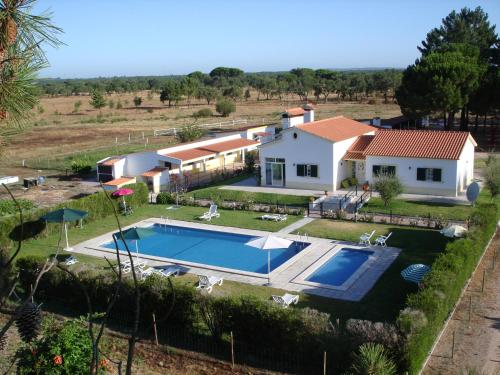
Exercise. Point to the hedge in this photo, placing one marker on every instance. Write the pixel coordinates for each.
(428, 309)
(304, 333)
(96, 205)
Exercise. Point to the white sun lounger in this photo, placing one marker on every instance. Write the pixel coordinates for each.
(286, 300)
(274, 217)
(138, 265)
(212, 212)
(365, 238)
(208, 282)
(169, 271)
(70, 261)
(381, 240)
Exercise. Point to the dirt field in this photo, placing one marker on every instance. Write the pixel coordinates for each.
(58, 130)
(477, 337)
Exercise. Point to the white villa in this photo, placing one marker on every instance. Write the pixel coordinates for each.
(156, 168)
(319, 155)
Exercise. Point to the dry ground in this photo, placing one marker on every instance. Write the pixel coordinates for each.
(477, 339)
(58, 130)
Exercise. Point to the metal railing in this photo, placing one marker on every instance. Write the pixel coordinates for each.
(173, 131)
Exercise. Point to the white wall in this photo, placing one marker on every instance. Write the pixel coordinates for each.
(138, 163)
(288, 122)
(118, 168)
(465, 167)
(305, 149)
(341, 170)
(408, 176)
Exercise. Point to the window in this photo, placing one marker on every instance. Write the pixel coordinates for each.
(383, 169)
(429, 174)
(307, 170)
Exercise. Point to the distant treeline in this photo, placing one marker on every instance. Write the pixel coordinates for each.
(235, 84)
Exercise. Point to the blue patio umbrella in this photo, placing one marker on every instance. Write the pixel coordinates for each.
(135, 234)
(63, 216)
(415, 273)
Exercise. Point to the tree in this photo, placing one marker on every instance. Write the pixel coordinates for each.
(304, 81)
(77, 106)
(190, 87)
(225, 107)
(492, 176)
(171, 92)
(111, 104)
(208, 93)
(440, 82)
(190, 133)
(97, 99)
(326, 83)
(382, 83)
(372, 359)
(247, 94)
(388, 186)
(234, 92)
(22, 36)
(470, 27)
(137, 101)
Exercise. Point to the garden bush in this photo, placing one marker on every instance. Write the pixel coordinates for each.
(81, 166)
(97, 206)
(63, 349)
(8, 207)
(443, 286)
(165, 198)
(205, 112)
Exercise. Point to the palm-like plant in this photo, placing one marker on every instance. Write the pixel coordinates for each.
(21, 56)
(372, 359)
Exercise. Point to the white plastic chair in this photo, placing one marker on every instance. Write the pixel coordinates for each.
(212, 212)
(208, 282)
(381, 240)
(286, 300)
(365, 238)
(70, 261)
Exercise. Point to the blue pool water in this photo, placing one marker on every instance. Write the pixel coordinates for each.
(340, 267)
(212, 248)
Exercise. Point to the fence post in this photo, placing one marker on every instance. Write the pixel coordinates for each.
(156, 332)
(324, 363)
(232, 350)
(23, 163)
(142, 135)
(128, 137)
(116, 140)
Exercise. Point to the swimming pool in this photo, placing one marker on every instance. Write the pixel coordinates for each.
(207, 247)
(340, 267)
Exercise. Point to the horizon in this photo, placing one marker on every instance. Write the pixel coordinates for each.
(155, 38)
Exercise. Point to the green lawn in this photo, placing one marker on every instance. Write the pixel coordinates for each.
(388, 295)
(241, 219)
(214, 192)
(417, 208)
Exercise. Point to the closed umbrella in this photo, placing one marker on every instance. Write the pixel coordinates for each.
(454, 231)
(123, 192)
(65, 215)
(135, 234)
(415, 273)
(269, 243)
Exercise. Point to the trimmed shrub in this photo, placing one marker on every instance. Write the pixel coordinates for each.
(81, 167)
(165, 198)
(372, 359)
(345, 183)
(225, 107)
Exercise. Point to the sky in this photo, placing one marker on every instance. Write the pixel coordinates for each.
(161, 37)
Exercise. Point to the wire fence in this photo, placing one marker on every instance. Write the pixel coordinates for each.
(228, 349)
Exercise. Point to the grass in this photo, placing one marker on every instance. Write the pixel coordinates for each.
(419, 208)
(382, 303)
(388, 295)
(46, 246)
(215, 193)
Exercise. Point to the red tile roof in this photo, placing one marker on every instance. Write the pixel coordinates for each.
(336, 129)
(189, 154)
(211, 149)
(427, 144)
(292, 112)
(153, 172)
(355, 152)
(119, 181)
(110, 162)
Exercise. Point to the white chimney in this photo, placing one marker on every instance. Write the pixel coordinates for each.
(308, 113)
(292, 117)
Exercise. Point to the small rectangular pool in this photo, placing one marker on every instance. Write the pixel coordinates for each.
(340, 267)
(206, 247)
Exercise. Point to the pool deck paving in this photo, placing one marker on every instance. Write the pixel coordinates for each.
(290, 276)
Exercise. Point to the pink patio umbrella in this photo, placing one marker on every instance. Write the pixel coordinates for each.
(123, 192)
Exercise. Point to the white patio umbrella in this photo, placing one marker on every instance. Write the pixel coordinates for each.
(269, 243)
(454, 231)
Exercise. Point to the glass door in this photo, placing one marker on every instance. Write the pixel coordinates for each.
(277, 174)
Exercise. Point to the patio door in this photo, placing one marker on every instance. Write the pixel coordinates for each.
(275, 171)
